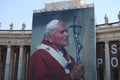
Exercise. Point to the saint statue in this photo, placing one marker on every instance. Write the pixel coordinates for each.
(11, 26)
(23, 26)
(106, 19)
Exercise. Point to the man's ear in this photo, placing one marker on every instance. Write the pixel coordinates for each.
(49, 38)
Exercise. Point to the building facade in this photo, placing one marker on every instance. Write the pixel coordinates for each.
(108, 51)
(15, 52)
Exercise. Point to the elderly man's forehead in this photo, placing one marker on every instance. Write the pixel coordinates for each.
(61, 27)
(61, 24)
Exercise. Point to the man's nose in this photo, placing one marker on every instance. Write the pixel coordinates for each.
(66, 33)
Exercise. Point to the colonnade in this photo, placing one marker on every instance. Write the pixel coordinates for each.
(109, 62)
(15, 64)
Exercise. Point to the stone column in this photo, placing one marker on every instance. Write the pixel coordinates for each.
(0, 64)
(0, 55)
(7, 65)
(20, 65)
(107, 62)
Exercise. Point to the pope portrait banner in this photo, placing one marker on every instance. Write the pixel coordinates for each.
(83, 17)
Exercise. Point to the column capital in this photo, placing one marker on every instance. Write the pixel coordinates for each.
(9, 45)
(21, 45)
(106, 41)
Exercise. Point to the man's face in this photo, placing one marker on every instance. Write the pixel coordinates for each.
(60, 35)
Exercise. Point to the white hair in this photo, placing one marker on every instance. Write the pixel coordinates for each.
(50, 27)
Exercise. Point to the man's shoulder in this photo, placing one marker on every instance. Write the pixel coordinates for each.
(40, 53)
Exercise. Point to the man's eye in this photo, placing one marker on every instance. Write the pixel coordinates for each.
(62, 32)
(67, 31)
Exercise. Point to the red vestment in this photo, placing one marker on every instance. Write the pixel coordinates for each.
(43, 66)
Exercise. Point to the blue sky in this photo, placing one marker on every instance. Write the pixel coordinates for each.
(19, 11)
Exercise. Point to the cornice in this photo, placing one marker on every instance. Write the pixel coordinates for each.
(107, 29)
